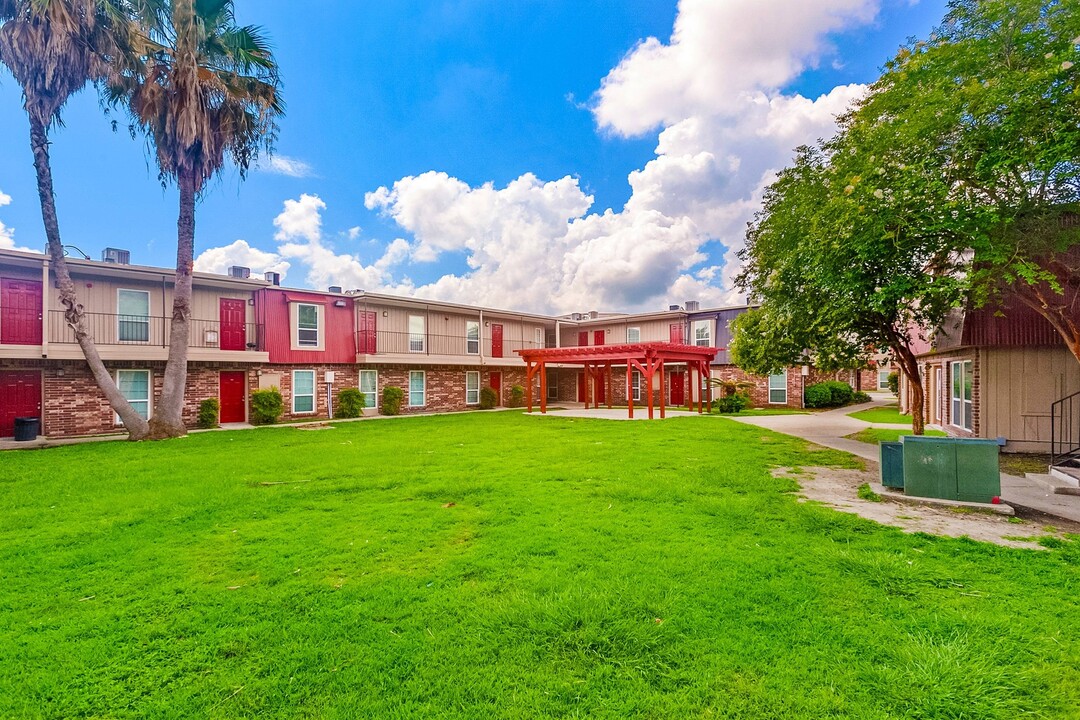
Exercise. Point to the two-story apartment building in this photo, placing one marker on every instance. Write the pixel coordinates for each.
(251, 333)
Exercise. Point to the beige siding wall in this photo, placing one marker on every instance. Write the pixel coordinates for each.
(1018, 386)
(615, 331)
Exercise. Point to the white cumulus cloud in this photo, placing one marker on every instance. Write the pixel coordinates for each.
(7, 234)
(220, 259)
(292, 167)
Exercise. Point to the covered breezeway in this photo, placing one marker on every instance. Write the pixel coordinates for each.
(598, 362)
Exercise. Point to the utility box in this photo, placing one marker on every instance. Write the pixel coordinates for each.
(891, 462)
(951, 468)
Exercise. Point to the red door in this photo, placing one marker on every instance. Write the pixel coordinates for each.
(678, 395)
(581, 389)
(676, 333)
(495, 380)
(20, 312)
(583, 338)
(233, 396)
(496, 342)
(598, 337)
(366, 342)
(233, 330)
(20, 396)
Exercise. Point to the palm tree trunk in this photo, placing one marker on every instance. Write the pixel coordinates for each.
(136, 426)
(168, 420)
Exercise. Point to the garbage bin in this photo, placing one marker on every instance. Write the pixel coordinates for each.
(26, 428)
(892, 464)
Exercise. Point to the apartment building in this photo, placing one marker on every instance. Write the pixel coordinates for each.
(249, 333)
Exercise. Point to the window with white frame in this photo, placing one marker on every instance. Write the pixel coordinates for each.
(416, 333)
(472, 337)
(303, 391)
(703, 333)
(778, 388)
(134, 385)
(472, 387)
(132, 316)
(962, 408)
(883, 379)
(635, 386)
(369, 386)
(307, 325)
(633, 334)
(417, 387)
(539, 338)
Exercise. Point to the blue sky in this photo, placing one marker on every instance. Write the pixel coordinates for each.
(467, 150)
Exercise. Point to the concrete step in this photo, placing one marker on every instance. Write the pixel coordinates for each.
(1068, 475)
(1045, 481)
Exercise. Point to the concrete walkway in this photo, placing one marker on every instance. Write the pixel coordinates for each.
(612, 414)
(1034, 492)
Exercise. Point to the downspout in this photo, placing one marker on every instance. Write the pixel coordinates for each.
(481, 335)
(45, 285)
(164, 333)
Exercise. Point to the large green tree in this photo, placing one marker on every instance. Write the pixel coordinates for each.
(206, 90)
(53, 49)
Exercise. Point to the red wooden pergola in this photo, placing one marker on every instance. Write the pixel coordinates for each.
(648, 358)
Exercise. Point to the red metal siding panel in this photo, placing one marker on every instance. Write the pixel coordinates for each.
(1017, 325)
(338, 345)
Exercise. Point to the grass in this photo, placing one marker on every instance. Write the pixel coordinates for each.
(876, 435)
(1020, 463)
(502, 566)
(887, 414)
(867, 493)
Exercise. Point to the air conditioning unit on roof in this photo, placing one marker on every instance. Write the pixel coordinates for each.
(116, 256)
(242, 273)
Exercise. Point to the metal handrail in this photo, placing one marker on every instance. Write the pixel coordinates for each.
(150, 331)
(1065, 429)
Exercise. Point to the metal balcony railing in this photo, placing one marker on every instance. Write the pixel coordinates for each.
(109, 329)
(404, 343)
(1065, 430)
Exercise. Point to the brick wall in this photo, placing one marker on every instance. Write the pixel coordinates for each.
(944, 392)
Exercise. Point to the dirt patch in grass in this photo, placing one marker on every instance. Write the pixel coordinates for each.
(839, 489)
(1019, 464)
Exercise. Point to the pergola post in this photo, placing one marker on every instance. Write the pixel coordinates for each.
(690, 386)
(588, 384)
(529, 371)
(651, 368)
(663, 403)
(610, 385)
(707, 381)
(543, 389)
(629, 391)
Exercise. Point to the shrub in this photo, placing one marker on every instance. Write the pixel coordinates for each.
(266, 406)
(488, 398)
(350, 403)
(392, 396)
(736, 402)
(841, 392)
(817, 396)
(517, 396)
(860, 397)
(894, 382)
(208, 413)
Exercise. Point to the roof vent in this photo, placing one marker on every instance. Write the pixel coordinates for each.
(241, 273)
(673, 307)
(575, 316)
(692, 305)
(593, 314)
(336, 289)
(273, 278)
(116, 256)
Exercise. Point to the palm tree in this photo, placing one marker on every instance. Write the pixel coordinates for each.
(53, 49)
(205, 88)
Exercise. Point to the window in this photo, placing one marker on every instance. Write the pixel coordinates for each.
(369, 386)
(633, 335)
(416, 388)
(883, 379)
(135, 387)
(416, 333)
(472, 387)
(472, 336)
(703, 333)
(635, 386)
(133, 316)
(303, 391)
(539, 335)
(307, 325)
(962, 411)
(778, 388)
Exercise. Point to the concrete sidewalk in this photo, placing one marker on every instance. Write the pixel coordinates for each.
(1035, 492)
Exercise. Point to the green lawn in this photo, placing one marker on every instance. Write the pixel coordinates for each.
(502, 566)
(876, 435)
(889, 414)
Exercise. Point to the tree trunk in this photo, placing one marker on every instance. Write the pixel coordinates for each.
(168, 420)
(909, 366)
(136, 426)
(1058, 311)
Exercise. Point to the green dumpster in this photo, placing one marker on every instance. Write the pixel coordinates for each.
(891, 462)
(951, 468)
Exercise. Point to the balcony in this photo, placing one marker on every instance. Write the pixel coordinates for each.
(386, 346)
(132, 337)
